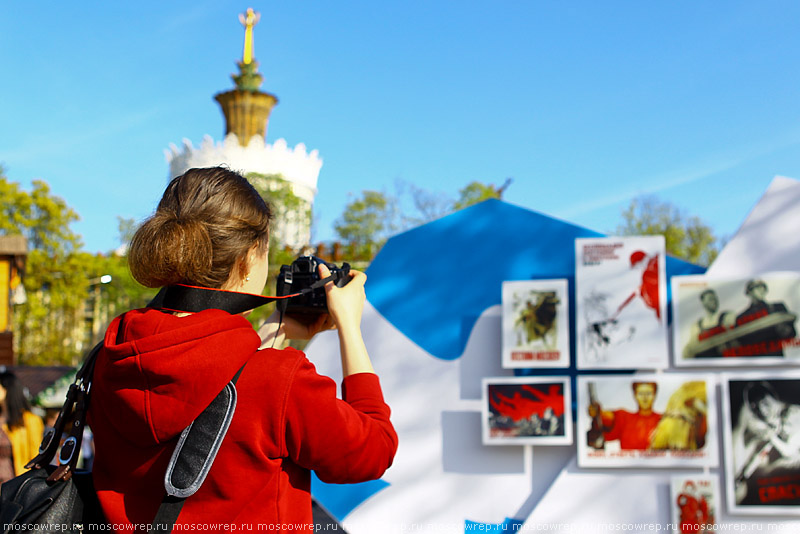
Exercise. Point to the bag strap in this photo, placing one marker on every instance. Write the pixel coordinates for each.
(199, 443)
(194, 454)
(75, 407)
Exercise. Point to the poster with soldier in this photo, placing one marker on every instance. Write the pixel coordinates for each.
(761, 429)
(652, 420)
(527, 411)
(535, 324)
(736, 321)
(694, 503)
(621, 297)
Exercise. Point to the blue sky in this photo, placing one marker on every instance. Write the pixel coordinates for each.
(585, 104)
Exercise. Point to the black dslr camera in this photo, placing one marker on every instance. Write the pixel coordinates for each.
(299, 277)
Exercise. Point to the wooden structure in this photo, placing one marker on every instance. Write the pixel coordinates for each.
(13, 250)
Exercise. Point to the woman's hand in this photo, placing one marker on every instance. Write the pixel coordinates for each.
(345, 308)
(345, 304)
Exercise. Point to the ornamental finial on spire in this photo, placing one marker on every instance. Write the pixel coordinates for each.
(248, 20)
(248, 78)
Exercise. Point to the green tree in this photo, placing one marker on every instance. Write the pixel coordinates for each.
(687, 237)
(369, 220)
(65, 298)
(290, 214)
(49, 323)
(475, 192)
(366, 223)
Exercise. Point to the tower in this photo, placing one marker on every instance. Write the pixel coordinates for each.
(274, 168)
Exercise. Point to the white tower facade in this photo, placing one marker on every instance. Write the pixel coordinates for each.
(297, 166)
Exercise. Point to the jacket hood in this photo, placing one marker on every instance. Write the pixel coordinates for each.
(158, 372)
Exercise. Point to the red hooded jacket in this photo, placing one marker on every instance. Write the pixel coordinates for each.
(165, 370)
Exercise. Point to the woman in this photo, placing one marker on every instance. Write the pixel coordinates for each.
(158, 370)
(23, 428)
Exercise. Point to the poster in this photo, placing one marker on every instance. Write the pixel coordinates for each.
(736, 321)
(621, 297)
(761, 427)
(694, 503)
(527, 411)
(535, 324)
(652, 420)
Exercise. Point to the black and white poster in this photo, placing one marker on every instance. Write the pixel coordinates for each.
(736, 322)
(761, 427)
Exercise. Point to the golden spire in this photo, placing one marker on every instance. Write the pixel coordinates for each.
(247, 109)
(248, 20)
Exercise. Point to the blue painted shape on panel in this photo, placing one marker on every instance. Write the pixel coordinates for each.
(340, 499)
(427, 280)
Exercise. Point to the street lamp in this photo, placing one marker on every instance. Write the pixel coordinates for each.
(96, 284)
(104, 279)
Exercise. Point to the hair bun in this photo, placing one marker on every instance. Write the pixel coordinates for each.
(202, 231)
(177, 249)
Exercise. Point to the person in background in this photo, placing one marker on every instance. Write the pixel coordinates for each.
(23, 428)
(6, 458)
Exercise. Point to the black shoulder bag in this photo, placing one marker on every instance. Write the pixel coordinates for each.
(56, 495)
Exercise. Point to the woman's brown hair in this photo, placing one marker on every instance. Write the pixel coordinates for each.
(207, 221)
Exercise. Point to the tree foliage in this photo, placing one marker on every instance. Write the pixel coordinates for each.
(473, 193)
(366, 223)
(291, 214)
(51, 326)
(687, 237)
(288, 210)
(369, 220)
(54, 281)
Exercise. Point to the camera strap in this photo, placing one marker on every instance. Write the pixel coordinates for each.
(193, 299)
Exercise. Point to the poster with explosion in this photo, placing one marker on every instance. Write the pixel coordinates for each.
(646, 420)
(761, 427)
(621, 299)
(694, 503)
(527, 411)
(739, 321)
(535, 324)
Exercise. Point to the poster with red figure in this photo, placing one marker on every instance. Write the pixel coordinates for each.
(535, 323)
(694, 503)
(621, 301)
(736, 321)
(647, 420)
(527, 411)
